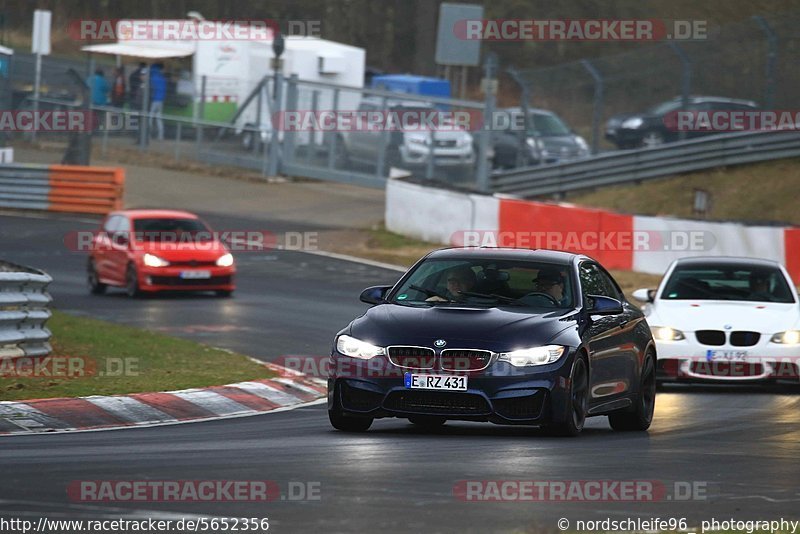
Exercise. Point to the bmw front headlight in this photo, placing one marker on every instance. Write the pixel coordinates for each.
(789, 337)
(533, 355)
(226, 260)
(633, 123)
(151, 260)
(355, 348)
(665, 333)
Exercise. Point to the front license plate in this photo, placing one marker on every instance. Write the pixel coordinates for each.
(726, 355)
(440, 382)
(195, 275)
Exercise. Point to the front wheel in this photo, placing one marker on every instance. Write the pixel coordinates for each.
(346, 423)
(640, 417)
(132, 282)
(578, 399)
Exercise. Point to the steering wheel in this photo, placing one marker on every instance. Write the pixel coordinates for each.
(548, 296)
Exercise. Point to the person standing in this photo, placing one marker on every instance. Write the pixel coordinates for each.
(158, 90)
(99, 88)
(118, 88)
(135, 82)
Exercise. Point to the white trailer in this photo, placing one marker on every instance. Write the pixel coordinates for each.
(231, 70)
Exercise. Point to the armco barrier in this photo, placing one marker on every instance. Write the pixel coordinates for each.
(626, 166)
(442, 216)
(64, 188)
(24, 310)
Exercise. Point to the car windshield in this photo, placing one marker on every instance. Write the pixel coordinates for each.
(487, 283)
(170, 229)
(727, 282)
(546, 125)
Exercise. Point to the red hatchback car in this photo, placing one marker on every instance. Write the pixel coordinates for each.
(159, 250)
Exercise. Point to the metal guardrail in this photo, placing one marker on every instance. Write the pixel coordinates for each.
(627, 166)
(24, 310)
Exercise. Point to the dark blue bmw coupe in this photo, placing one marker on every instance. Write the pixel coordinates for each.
(511, 336)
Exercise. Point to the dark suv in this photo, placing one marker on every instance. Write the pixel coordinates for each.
(650, 128)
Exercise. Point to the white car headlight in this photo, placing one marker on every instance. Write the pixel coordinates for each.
(665, 333)
(632, 123)
(581, 142)
(226, 260)
(151, 260)
(422, 141)
(790, 337)
(533, 355)
(355, 348)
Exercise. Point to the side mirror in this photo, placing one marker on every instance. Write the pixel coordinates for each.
(374, 294)
(601, 305)
(645, 295)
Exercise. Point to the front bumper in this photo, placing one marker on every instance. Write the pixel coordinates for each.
(175, 278)
(691, 361)
(413, 156)
(500, 394)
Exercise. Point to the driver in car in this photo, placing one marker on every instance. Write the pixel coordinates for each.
(458, 279)
(549, 283)
(759, 286)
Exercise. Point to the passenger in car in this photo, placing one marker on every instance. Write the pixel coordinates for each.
(458, 279)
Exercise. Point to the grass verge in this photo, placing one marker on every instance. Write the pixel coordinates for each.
(762, 192)
(92, 357)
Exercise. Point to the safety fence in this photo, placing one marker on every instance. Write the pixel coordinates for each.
(627, 166)
(62, 188)
(24, 310)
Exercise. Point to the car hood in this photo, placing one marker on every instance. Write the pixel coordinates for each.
(693, 315)
(494, 329)
(199, 251)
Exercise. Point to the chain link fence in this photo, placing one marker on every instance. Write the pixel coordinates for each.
(756, 60)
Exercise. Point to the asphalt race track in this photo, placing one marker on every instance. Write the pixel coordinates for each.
(740, 445)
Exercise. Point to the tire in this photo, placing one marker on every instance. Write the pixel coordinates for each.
(132, 282)
(641, 415)
(224, 293)
(578, 401)
(428, 422)
(95, 286)
(346, 423)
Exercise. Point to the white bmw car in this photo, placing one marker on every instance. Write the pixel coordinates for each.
(725, 319)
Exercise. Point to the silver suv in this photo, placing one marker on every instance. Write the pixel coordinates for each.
(450, 145)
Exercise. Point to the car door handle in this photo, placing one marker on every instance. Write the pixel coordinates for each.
(623, 323)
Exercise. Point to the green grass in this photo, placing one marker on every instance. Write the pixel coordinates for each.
(127, 360)
(763, 192)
